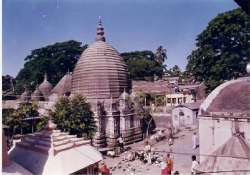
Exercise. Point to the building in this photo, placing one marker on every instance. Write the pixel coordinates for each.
(10, 167)
(178, 98)
(185, 115)
(224, 119)
(230, 158)
(173, 94)
(101, 75)
(51, 151)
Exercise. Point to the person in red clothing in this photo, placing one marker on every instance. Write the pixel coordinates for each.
(103, 169)
(169, 163)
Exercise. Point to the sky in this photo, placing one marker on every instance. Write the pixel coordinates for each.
(130, 25)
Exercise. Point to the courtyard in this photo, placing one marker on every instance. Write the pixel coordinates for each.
(181, 154)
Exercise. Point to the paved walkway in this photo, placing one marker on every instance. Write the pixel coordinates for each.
(182, 152)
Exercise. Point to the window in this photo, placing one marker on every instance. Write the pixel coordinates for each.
(179, 100)
(184, 99)
(181, 113)
(173, 100)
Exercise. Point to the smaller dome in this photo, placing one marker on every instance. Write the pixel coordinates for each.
(63, 87)
(25, 95)
(37, 95)
(45, 87)
(230, 97)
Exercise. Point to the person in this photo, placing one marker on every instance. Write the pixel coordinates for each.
(195, 141)
(103, 169)
(120, 143)
(170, 163)
(195, 165)
(147, 147)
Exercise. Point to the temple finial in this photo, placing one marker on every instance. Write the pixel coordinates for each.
(100, 20)
(100, 31)
(45, 77)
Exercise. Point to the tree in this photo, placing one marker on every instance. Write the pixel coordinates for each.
(8, 83)
(142, 65)
(17, 120)
(223, 49)
(244, 4)
(175, 71)
(55, 60)
(161, 55)
(75, 116)
(147, 121)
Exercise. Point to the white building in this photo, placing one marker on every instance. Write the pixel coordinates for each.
(175, 99)
(51, 151)
(185, 115)
(223, 115)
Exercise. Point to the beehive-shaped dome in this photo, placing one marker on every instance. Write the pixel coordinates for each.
(45, 87)
(63, 86)
(101, 72)
(37, 95)
(25, 95)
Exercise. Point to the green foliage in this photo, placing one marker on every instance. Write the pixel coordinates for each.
(161, 55)
(223, 49)
(142, 65)
(42, 123)
(175, 71)
(8, 83)
(244, 4)
(55, 60)
(75, 116)
(15, 119)
(160, 100)
(6, 113)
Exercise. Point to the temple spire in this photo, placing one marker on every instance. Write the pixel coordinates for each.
(45, 77)
(100, 31)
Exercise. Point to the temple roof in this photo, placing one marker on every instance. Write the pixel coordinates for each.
(51, 150)
(45, 87)
(37, 95)
(233, 155)
(25, 95)
(156, 87)
(101, 72)
(64, 85)
(230, 97)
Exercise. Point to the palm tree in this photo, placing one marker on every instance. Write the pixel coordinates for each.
(161, 55)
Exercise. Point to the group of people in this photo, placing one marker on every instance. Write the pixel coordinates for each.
(168, 165)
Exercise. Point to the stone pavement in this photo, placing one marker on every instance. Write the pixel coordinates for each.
(182, 152)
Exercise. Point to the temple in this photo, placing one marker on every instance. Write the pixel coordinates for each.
(101, 76)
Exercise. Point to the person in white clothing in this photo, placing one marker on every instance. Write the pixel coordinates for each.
(195, 141)
(195, 165)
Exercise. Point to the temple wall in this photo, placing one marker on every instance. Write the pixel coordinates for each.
(189, 117)
(214, 133)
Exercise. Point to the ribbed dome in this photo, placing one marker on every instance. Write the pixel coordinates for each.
(101, 72)
(63, 86)
(45, 87)
(230, 97)
(25, 95)
(37, 95)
